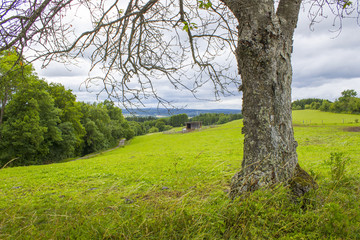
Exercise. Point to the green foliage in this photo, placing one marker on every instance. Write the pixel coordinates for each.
(205, 5)
(347, 103)
(30, 129)
(13, 74)
(70, 112)
(104, 126)
(308, 103)
(216, 118)
(325, 106)
(346, 3)
(153, 130)
(67, 146)
(189, 26)
(144, 124)
(347, 94)
(337, 163)
(178, 120)
(43, 123)
(137, 128)
(160, 125)
(140, 119)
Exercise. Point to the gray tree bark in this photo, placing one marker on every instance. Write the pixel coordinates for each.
(264, 61)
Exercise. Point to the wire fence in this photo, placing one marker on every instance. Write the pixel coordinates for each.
(327, 121)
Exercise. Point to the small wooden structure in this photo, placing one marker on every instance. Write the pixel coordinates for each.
(122, 142)
(190, 126)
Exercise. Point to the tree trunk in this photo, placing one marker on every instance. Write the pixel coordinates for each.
(264, 61)
(3, 103)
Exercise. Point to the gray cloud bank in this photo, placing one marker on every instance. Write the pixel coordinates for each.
(324, 64)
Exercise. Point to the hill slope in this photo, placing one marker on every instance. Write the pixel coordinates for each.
(172, 186)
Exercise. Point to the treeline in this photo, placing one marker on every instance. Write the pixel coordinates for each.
(140, 119)
(347, 103)
(42, 123)
(216, 118)
(141, 125)
(308, 103)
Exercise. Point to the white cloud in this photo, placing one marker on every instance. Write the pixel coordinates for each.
(329, 90)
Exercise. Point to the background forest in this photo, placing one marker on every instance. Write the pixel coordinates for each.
(42, 123)
(347, 103)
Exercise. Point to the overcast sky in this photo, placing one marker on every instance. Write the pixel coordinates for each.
(324, 64)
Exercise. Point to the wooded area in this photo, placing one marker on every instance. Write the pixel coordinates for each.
(43, 123)
(347, 103)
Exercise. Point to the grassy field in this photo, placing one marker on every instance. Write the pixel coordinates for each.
(313, 117)
(174, 186)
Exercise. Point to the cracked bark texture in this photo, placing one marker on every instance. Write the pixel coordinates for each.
(264, 61)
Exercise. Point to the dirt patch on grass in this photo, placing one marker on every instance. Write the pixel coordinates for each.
(352, 129)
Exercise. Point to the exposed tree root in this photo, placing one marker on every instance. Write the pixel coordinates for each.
(299, 184)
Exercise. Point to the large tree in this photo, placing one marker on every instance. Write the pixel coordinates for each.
(13, 74)
(184, 41)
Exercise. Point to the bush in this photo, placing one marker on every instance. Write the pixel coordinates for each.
(337, 163)
(153, 130)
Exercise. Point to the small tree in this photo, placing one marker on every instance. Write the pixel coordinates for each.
(13, 74)
(325, 106)
(153, 130)
(31, 127)
(348, 94)
(160, 125)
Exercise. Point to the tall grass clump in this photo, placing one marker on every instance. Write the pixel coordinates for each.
(337, 163)
(272, 214)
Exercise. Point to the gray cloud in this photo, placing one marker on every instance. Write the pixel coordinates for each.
(324, 64)
(56, 69)
(330, 90)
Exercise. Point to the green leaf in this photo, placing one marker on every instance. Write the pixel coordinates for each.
(201, 4)
(205, 5)
(186, 26)
(208, 5)
(346, 4)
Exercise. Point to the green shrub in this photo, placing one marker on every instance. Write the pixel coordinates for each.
(153, 130)
(337, 163)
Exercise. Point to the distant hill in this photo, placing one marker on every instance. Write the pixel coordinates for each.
(168, 112)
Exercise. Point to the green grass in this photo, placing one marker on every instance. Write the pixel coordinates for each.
(311, 117)
(174, 186)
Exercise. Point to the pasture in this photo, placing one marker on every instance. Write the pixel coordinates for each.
(174, 186)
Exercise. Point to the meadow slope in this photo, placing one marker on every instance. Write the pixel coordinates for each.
(174, 186)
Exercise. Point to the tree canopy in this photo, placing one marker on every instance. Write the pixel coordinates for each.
(43, 123)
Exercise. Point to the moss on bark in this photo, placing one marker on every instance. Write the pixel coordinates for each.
(302, 182)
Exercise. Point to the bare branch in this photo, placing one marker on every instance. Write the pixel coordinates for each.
(144, 45)
(146, 42)
(338, 10)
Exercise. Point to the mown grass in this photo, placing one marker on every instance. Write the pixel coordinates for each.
(315, 117)
(174, 186)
